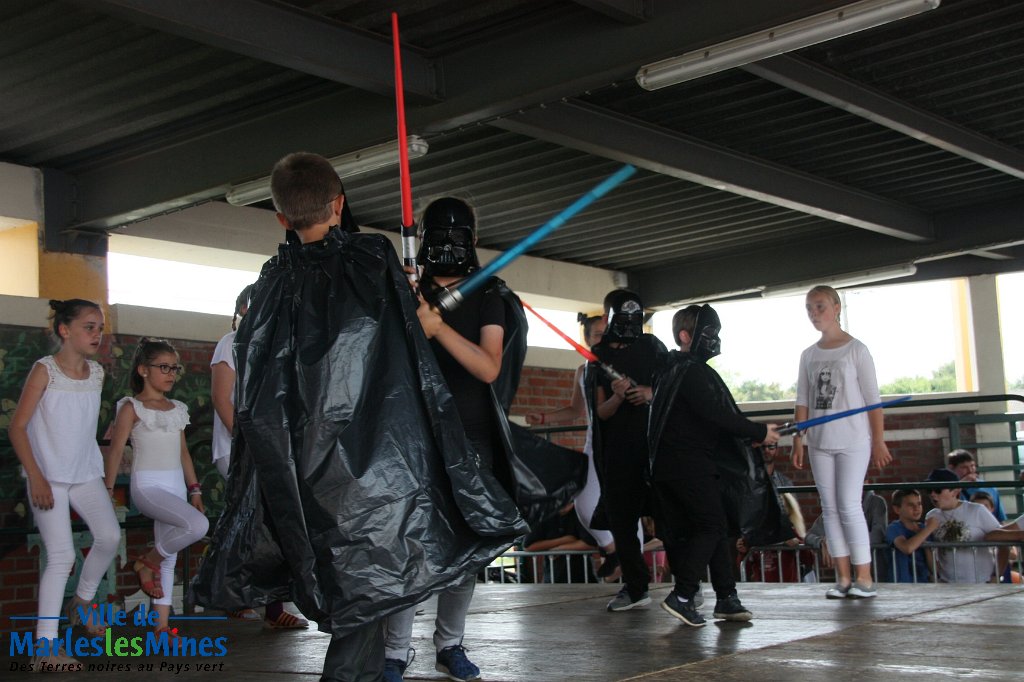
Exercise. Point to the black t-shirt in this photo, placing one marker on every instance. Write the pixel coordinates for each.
(624, 434)
(472, 396)
(703, 412)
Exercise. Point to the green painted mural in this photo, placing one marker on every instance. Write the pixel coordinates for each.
(20, 347)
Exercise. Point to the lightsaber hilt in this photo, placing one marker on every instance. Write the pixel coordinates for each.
(447, 299)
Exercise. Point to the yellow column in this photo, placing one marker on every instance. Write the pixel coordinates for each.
(19, 258)
(69, 275)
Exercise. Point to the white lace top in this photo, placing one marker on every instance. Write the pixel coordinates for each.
(156, 437)
(62, 430)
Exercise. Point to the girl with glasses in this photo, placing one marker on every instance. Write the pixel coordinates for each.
(164, 485)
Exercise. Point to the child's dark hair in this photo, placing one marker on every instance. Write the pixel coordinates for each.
(66, 311)
(303, 185)
(588, 323)
(241, 302)
(980, 495)
(685, 319)
(145, 353)
(897, 497)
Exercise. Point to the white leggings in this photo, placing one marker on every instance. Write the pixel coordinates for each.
(839, 475)
(160, 495)
(586, 500)
(92, 502)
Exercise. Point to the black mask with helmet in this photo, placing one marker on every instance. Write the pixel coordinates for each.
(447, 239)
(625, 313)
(706, 344)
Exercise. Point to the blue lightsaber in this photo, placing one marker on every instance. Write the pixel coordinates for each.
(449, 299)
(793, 427)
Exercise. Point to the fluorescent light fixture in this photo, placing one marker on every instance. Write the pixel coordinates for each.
(849, 279)
(814, 29)
(352, 163)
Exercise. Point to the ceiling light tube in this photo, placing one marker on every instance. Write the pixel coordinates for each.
(849, 279)
(794, 35)
(352, 163)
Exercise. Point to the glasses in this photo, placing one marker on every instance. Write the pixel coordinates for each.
(169, 369)
(769, 447)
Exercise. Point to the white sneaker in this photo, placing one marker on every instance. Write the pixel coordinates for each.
(862, 591)
(838, 591)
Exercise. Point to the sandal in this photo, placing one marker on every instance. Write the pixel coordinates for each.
(244, 614)
(152, 586)
(172, 633)
(286, 621)
(92, 629)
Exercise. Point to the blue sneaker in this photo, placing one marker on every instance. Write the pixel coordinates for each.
(452, 662)
(394, 670)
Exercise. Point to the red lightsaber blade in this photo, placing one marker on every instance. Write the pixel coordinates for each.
(580, 348)
(408, 228)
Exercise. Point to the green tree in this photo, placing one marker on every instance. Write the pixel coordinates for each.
(942, 380)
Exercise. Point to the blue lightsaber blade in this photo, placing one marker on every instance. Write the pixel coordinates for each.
(793, 427)
(450, 298)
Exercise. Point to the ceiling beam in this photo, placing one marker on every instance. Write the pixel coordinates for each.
(956, 233)
(554, 60)
(284, 35)
(624, 11)
(812, 80)
(613, 136)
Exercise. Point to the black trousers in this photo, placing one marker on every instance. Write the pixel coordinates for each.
(356, 657)
(624, 497)
(692, 523)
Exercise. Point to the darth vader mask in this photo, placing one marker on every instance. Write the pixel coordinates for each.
(706, 343)
(625, 313)
(447, 234)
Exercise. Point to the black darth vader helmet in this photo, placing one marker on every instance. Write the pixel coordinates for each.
(706, 344)
(447, 236)
(625, 313)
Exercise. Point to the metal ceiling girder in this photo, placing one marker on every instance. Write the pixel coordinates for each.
(597, 131)
(817, 82)
(957, 232)
(625, 11)
(559, 59)
(287, 36)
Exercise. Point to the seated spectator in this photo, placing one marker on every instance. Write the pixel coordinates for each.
(963, 465)
(909, 563)
(985, 500)
(561, 533)
(782, 565)
(961, 521)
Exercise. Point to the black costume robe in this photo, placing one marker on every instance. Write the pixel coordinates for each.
(748, 495)
(351, 477)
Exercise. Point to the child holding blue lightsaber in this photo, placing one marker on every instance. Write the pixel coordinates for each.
(837, 373)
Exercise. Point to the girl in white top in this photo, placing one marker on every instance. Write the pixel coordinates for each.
(161, 470)
(53, 432)
(587, 498)
(222, 395)
(837, 373)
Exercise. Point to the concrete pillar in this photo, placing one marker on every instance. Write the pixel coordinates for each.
(987, 354)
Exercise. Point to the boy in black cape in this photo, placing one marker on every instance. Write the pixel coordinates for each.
(704, 478)
(351, 478)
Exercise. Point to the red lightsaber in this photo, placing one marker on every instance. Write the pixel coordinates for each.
(408, 228)
(580, 348)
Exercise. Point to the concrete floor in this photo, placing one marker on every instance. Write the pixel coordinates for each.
(557, 632)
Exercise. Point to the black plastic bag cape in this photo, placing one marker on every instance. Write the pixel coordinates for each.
(353, 489)
(599, 518)
(545, 476)
(748, 494)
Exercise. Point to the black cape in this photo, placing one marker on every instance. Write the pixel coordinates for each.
(545, 477)
(353, 489)
(748, 494)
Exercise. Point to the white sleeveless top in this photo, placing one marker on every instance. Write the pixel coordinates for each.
(62, 431)
(588, 445)
(156, 437)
